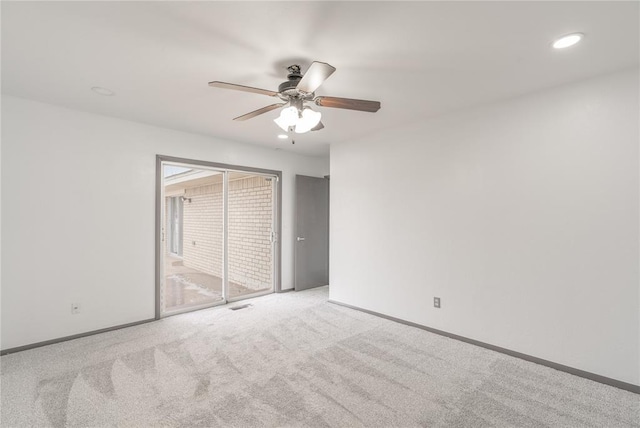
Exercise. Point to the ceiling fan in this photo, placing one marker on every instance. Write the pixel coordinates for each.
(295, 92)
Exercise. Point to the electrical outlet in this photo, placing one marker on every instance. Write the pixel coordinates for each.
(436, 302)
(75, 308)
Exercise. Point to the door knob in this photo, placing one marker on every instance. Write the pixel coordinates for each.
(300, 238)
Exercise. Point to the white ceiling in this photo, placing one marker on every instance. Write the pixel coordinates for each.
(419, 59)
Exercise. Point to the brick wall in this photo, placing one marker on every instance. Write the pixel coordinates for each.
(250, 222)
(202, 229)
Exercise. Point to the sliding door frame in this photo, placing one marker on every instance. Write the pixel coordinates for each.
(277, 244)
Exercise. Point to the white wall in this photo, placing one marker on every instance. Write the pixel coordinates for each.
(78, 204)
(522, 216)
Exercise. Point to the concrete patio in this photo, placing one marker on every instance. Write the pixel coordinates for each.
(187, 287)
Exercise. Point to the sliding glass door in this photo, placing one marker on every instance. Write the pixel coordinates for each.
(217, 236)
(193, 231)
(251, 234)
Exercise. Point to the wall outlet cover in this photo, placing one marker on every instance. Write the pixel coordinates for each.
(436, 302)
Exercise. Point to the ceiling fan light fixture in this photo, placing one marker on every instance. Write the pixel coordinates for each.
(281, 123)
(289, 115)
(287, 119)
(308, 120)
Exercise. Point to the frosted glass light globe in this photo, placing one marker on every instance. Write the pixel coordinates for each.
(308, 120)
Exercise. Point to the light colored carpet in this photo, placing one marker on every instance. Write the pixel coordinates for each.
(294, 359)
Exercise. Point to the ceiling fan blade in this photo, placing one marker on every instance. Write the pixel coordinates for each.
(233, 86)
(259, 111)
(317, 73)
(318, 127)
(348, 103)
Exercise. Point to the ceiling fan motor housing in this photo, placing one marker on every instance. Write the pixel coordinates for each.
(288, 89)
(293, 78)
(289, 85)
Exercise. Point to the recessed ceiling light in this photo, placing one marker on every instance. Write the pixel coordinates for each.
(103, 91)
(568, 40)
(283, 136)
